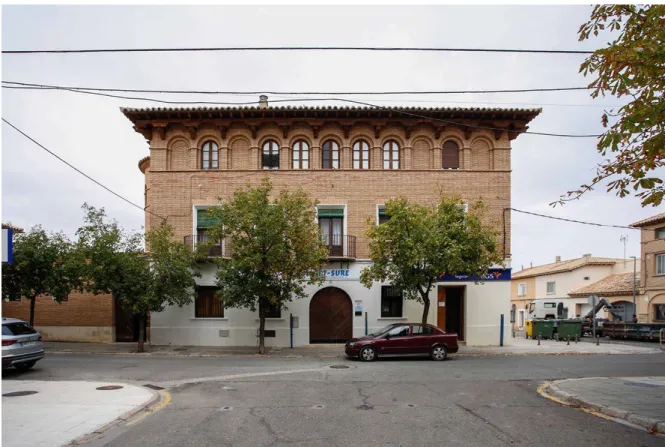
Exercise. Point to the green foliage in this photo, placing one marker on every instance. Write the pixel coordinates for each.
(274, 248)
(143, 281)
(631, 65)
(418, 244)
(44, 264)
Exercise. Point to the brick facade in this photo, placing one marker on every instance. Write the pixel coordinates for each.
(652, 283)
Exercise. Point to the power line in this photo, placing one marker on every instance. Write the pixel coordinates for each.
(351, 101)
(572, 220)
(79, 171)
(268, 92)
(298, 48)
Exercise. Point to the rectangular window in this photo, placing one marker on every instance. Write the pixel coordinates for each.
(659, 312)
(549, 305)
(391, 302)
(660, 264)
(521, 289)
(660, 233)
(331, 225)
(383, 216)
(273, 311)
(207, 304)
(551, 287)
(419, 329)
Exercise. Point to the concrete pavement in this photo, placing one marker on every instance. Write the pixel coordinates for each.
(636, 400)
(56, 413)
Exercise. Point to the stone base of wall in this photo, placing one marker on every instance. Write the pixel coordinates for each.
(90, 334)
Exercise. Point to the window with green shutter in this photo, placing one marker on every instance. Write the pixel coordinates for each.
(337, 212)
(205, 220)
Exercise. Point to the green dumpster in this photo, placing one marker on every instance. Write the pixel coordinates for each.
(569, 329)
(544, 328)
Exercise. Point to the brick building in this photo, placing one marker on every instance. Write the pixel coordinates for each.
(652, 279)
(352, 160)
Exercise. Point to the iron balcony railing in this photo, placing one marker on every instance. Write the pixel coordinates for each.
(340, 246)
(215, 248)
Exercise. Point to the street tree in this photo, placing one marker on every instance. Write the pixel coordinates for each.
(633, 66)
(142, 280)
(273, 249)
(419, 243)
(44, 264)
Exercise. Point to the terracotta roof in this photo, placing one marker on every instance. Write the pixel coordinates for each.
(563, 266)
(649, 220)
(143, 163)
(13, 228)
(611, 285)
(139, 114)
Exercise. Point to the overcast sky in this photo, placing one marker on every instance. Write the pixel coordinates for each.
(91, 133)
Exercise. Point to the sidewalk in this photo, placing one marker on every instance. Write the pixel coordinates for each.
(60, 412)
(637, 401)
(518, 346)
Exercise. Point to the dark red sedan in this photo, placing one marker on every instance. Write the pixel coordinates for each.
(403, 339)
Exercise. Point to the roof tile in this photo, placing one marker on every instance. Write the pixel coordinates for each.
(611, 285)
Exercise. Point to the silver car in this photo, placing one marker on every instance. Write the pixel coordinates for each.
(22, 346)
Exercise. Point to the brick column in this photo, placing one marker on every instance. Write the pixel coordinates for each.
(467, 158)
(254, 159)
(376, 158)
(407, 163)
(224, 155)
(193, 157)
(315, 157)
(285, 157)
(346, 157)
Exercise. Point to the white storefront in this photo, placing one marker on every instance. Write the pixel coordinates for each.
(472, 309)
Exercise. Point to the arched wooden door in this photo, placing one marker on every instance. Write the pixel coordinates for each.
(330, 316)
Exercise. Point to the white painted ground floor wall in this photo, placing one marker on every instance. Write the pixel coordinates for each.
(483, 305)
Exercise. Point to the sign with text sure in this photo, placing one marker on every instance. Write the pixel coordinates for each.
(7, 249)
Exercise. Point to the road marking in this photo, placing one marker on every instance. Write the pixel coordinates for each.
(541, 391)
(166, 399)
(177, 383)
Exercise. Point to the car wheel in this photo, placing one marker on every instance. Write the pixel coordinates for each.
(439, 353)
(367, 354)
(25, 366)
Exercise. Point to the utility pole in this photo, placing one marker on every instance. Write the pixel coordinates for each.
(634, 281)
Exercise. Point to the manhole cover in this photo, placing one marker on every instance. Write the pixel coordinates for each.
(19, 393)
(153, 387)
(410, 405)
(108, 387)
(317, 407)
(365, 407)
(226, 409)
(339, 367)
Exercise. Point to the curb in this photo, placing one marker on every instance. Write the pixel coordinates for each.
(146, 408)
(551, 391)
(340, 355)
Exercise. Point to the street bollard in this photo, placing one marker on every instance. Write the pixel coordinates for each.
(576, 339)
(597, 340)
(539, 335)
(568, 341)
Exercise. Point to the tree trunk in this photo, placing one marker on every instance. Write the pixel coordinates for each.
(425, 309)
(262, 327)
(32, 310)
(141, 332)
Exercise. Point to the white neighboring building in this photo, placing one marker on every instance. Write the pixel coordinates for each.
(558, 279)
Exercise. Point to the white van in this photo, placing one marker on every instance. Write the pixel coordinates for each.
(547, 308)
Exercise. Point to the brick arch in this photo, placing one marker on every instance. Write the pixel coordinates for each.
(361, 136)
(301, 137)
(177, 155)
(481, 154)
(208, 136)
(238, 156)
(421, 157)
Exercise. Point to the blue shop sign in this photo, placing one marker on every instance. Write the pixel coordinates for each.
(492, 275)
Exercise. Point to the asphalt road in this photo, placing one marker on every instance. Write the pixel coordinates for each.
(470, 401)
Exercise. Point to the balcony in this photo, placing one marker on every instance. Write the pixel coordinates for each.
(341, 247)
(219, 249)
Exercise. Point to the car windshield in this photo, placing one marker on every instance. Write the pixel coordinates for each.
(382, 330)
(17, 328)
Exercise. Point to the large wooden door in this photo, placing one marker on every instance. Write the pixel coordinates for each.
(441, 308)
(330, 316)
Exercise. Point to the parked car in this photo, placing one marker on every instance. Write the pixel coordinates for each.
(22, 345)
(403, 339)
